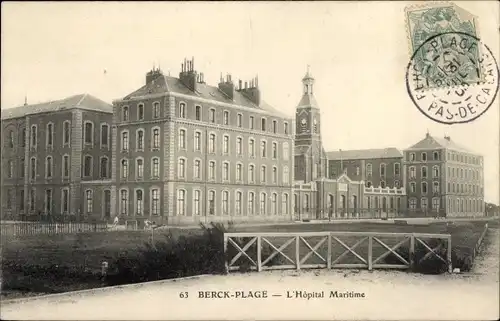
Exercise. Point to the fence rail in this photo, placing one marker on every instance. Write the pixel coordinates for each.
(302, 247)
(35, 228)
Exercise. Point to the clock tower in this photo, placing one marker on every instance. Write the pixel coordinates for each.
(309, 148)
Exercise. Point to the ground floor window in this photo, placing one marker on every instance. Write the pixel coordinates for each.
(89, 196)
(181, 202)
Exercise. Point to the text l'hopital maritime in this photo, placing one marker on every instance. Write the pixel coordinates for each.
(294, 294)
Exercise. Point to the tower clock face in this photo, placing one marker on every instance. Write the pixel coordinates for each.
(303, 125)
(304, 121)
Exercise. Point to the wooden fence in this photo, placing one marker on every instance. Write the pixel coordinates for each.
(333, 241)
(35, 228)
(479, 242)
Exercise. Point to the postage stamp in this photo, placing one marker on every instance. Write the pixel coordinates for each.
(426, 21)
(448, 81)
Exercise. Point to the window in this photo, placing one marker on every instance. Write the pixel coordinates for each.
(250, 122)
(33, 168)
(49, 133)
(274, 204)
(435, 155)
(263, 148)
(263, 124)
(225, 145)
(382, 169)
(413, 172)
(368, 184)
(413, 187)
(182, 110)
(211, 170)
(424, 172)
(104, 134)
(284, 204)
(211, 115)
(198, 113)
(65, 201)
(239, 197)
(156, 138)
(225, 171)
(156, 109)
(48, 167)
(87, 166)
(10, 169)
(65, 166)
(285, 151)
(89, 200)
(251, 147)
(239, 120)
(275, 150)
(140, 140)
(424, 157)
(251, 173)
(251, 203)
(140, 112)
(9, 199)
(435, 204)
(263, 174)
(124, 168)
(32, 199)
(263, 204)
(139, 168)
(11, 139)
(412, 157)
(182, 139)
(211, 202)
(211, 144)
(435, 187)
(286, 176)
(197, 169)
(197, 141)
(357, 170)
(225, 202)
(197, 202)
(369, 170)
(396, 169)
(275, 126)
(23, 137)
(424, 188)
(181, 202)
(413, 203)
(155, 201)
(396, 184)
(48, 201)
(33, 136)
(155, 167)
(275, 175)
(66, 132)
(124, 202)
(435, 171)
(139, 202)
(226, 117)
(21, 167)
(239, 146)
(181, 170)
(423, 203)
(125, 113)
(285, 125)
(125, 141)
(89, 132)
(239, 172)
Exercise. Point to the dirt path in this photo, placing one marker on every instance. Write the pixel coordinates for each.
(487, 263)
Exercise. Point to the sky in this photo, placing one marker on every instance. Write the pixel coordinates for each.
(357, 52)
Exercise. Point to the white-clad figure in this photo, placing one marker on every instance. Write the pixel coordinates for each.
(116, 221)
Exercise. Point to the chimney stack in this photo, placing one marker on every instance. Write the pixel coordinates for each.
(188, 76)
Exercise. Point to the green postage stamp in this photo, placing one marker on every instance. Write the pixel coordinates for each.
(457, 62)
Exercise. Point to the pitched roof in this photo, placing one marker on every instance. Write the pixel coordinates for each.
(163, 84)
(308, 101)
(365, 154)
(431, 142)
(81, 101)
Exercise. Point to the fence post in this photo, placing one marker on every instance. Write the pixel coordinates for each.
(297, 251)
(370, 253)
(412, 251)
(450, 265)
(329, 257)
(259, 253)
(226, 258)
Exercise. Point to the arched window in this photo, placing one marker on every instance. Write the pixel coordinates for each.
(211, 202)
(139, 168)
(87, 166)
(285, 151)
(124, 202)
(89, 197)
(49, 165)
(284, 204)
(382, 170)
(140, 140)
(435, 171)
(181, 169)
(197, 202)
(156, 109)
(155, 167)
(181, 202)
(211, 143)
(124, 141)
(182, 110)
(251, 203)
(263, 204)
(139, 202)
(238, 200)
(182, 138)
(369, 170)
(225, 203)
(89, 132)
(125, 116)
(156, 138)
(140, 111)
(104, 167)
(124, 164)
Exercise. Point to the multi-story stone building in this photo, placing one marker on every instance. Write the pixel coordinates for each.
(56, 159)
(444, 178)
(187, 152)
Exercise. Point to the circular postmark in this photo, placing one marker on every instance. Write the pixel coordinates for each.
(452, 78)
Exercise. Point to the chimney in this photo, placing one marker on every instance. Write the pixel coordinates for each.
(153, 74)
(188, 76)
(227, 87)
(252, 93)
(447, 138)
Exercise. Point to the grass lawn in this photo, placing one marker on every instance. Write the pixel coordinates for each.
(83, 253)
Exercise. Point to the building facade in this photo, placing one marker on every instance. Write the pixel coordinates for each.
(56, 159)
(186, 152)
(444, 178)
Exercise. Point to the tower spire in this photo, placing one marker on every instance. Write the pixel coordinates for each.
(25, 99)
